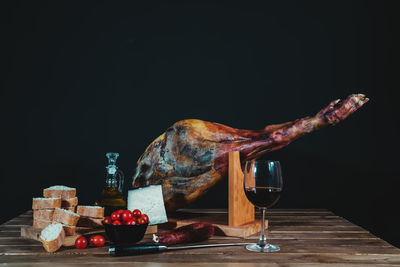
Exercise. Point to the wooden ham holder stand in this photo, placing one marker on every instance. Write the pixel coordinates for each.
(240, 221)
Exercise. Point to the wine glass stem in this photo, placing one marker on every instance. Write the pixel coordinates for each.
(263, 239)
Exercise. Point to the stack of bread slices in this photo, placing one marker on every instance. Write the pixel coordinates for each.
(57, 206)
(67, 195)
(55, 214)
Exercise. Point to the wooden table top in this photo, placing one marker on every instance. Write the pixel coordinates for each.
(306, 237)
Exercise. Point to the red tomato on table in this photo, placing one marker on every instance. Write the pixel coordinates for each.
(98, 240)
(81, 242)
(91, 240)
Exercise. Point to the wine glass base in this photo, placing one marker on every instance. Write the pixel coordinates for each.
(266, 248)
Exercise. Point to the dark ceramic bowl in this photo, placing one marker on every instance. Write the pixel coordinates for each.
(120, 234)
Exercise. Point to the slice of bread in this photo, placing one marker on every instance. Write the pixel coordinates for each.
(41, 223)
(70, 208)
(90, 222)
(46, 203)
(52, 237)
(66, 217)
(69, 202)
(59, 191)
(45, 214)
(90, 211)
(68, 229)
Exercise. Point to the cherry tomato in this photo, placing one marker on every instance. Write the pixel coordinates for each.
(81, 242)
(115, 216)
(126, 216)
(131, 222)
(98, 240)
(145, 218)
(136, 213)
(120, 211)
(107, 220)
(91, 240)
(117, 223)
(140, 220)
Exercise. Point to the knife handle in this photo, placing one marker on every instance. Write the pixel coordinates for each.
(135, 249)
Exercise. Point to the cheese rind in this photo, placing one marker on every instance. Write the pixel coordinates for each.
(149, 200)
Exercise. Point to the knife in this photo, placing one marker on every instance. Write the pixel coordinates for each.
(130, 250)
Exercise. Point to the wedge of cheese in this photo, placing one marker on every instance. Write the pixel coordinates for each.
(148, 200)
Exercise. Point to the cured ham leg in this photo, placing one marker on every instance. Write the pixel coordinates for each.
(192, 155)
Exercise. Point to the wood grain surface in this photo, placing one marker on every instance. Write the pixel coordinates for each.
(220, 222)
(306, 237)
(241, 211)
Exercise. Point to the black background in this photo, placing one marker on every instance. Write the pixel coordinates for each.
(79, 79)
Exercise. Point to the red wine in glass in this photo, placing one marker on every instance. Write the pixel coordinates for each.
(262, 186)
(262, 196)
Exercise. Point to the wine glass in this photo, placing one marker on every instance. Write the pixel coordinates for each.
(262, 186)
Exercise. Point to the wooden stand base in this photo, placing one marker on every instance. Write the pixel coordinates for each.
(219, 220)
(239, 221)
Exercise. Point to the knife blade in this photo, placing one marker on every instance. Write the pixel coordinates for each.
(140, 249)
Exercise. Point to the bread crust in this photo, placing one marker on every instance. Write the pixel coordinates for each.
(64, 194)
(55, 244)
(90, 222)
(70, 208)
(46, 203)
(68, 229)
(45, 214)
(41, 223)
(69, 202)
(62, 216)
(90, 211)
